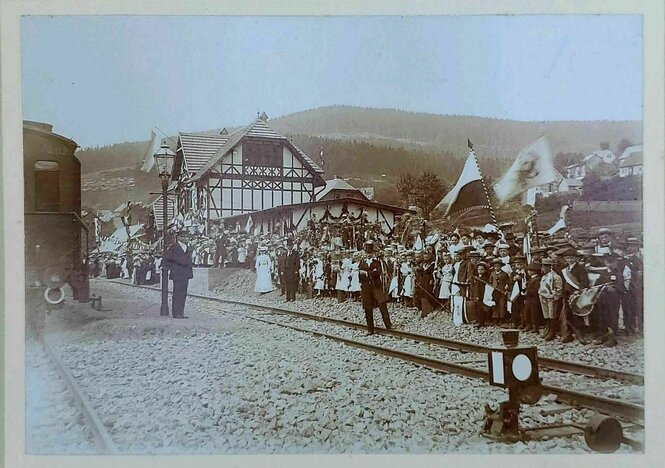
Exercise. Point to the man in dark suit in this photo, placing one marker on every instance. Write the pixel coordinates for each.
(178, 261)
(466, 269)
(371, 288)
(220, 251)
(610, 299)
(291, 271)
(281, 262)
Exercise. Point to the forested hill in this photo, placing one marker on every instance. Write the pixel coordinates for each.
(440, 133)
(436, 137)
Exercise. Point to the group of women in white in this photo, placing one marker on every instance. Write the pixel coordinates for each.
(403, 282)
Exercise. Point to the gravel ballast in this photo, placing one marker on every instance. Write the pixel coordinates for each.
(233, 385)
(54, 424)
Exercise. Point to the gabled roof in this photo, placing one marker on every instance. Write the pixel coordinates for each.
(258, 128)
(307, 159)
(157, 210)
(262, 130)
(630, 151)
(337, 184)
(198, 149)
(604, 155)
(634, 159)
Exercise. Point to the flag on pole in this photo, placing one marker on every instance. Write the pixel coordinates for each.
(250, 223)
(149, 158)
(529, 197)
(532, 167)
(526, 247)
(561, 223)
(469, 191)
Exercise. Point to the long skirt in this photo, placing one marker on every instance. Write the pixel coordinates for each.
(263, 280)
(444, 289)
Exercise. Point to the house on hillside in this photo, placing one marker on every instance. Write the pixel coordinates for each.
(570, 185)
(601, 162)
(631, 161)
(249, 170)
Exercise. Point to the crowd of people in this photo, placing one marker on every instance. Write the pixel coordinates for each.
(565, 286)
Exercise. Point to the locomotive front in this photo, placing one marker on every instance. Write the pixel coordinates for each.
(53, 228)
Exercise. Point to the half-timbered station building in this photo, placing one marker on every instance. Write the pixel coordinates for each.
(252, 169)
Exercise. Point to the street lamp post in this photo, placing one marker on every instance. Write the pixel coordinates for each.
(164, 159)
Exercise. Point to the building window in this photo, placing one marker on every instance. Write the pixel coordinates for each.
(47, 186)
(262, 153)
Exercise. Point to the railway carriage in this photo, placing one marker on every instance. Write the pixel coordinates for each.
(54, 231)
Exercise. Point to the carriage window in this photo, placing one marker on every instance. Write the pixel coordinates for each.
(47, 186)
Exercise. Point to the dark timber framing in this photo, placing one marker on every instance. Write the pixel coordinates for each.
(250, 170)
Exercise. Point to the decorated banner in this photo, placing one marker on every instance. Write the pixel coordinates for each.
(469, 191)
(532, 167)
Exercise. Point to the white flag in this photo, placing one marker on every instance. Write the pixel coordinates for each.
(487, 296)
(529, 197)
(561, 223)
(526, 248)
(250, 223)
(532, 167)
(149, 158)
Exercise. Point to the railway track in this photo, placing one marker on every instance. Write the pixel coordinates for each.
(101, 436)
(628, 411)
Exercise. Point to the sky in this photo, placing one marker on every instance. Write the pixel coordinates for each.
(106, 79)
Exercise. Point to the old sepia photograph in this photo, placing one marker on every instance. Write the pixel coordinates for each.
(357, 234)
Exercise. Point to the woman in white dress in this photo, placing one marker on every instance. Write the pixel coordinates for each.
(393, 289)
(344, 274)
(263, 272)
(406, 270)
(446, 275)
(242, 255)
(318, 275)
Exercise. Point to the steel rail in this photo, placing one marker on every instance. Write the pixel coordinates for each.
(99, 432)
(543, 362)
(627, 411)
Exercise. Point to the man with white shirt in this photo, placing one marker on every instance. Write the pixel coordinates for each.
(503, 254)
(371, 288)
(604, 244)
(178, 261)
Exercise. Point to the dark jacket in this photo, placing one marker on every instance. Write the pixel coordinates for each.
(477, 287)
(292, 263)
(500, 281)
(371, 285)
(179, 263)
(532, 287)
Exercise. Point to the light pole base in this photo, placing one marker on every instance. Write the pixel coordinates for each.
(164, 312)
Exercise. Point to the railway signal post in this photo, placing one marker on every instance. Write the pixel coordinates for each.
(164, 158)
(516, 368)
